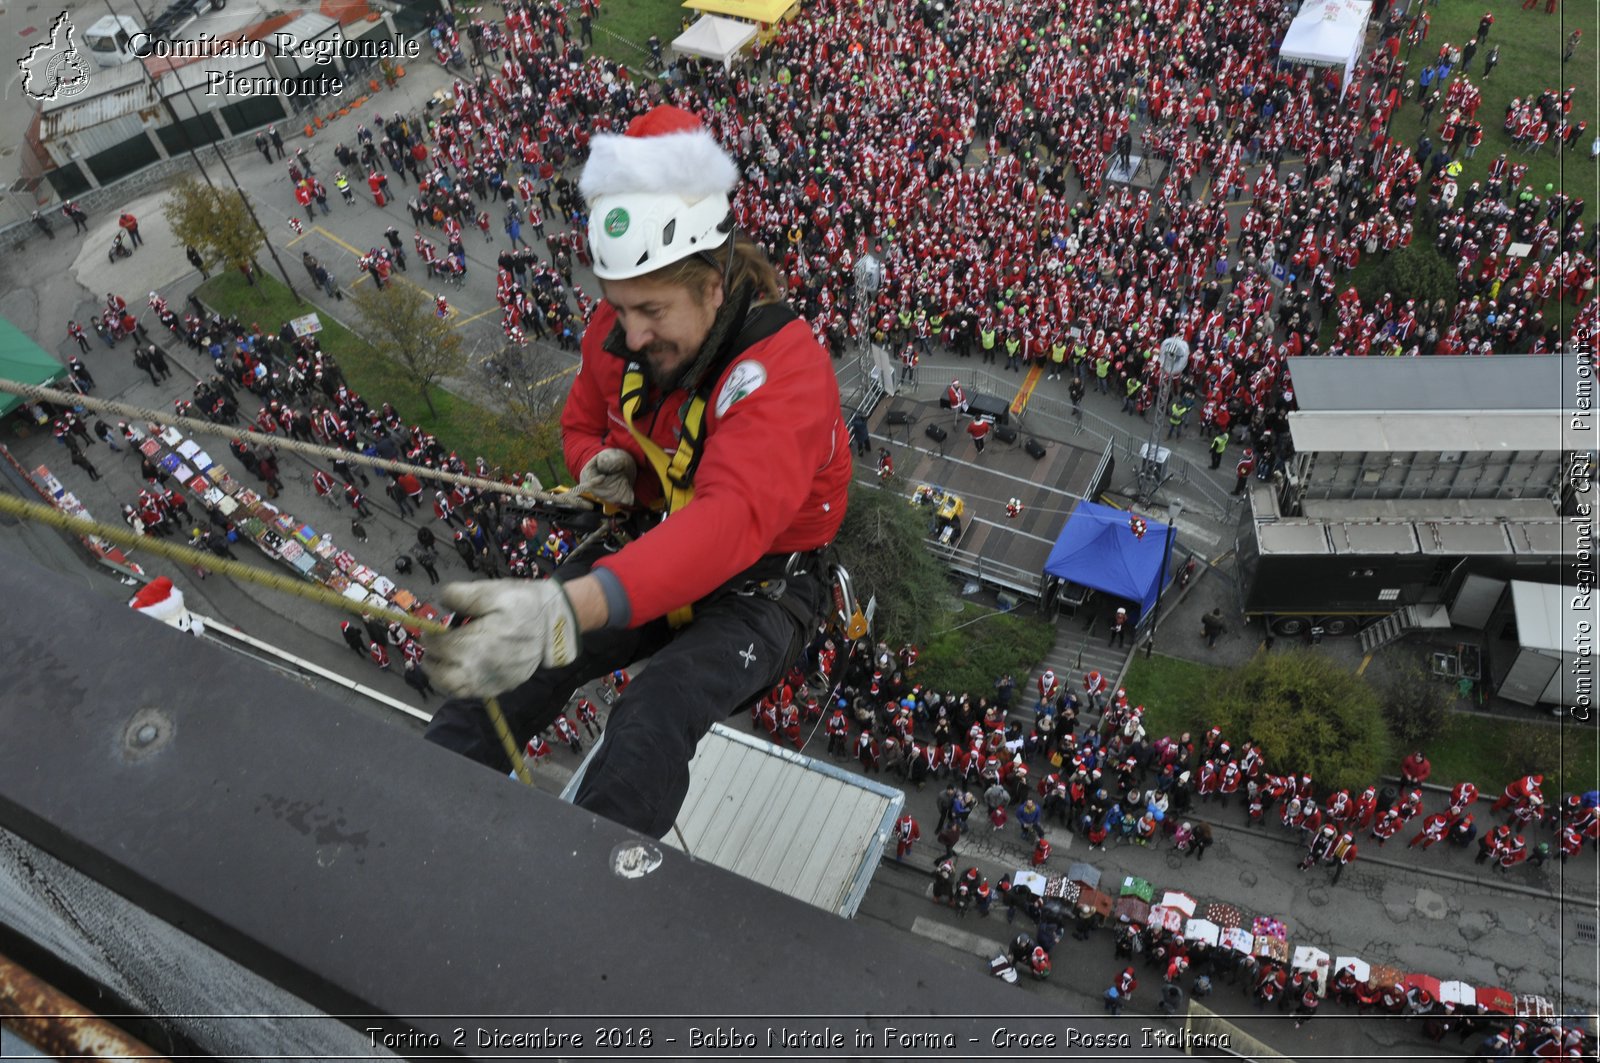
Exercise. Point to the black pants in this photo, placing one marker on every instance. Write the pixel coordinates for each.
(736, 648)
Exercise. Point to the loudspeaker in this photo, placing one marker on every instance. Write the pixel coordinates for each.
(935, 433)
(897, 419)
(1034, 448)
(1006, 435)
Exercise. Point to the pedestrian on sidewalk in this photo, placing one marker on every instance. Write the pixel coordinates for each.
(428, 559)
(417, 679)
(1212, 627)
(82, 462)
(358, 529)
(130, 225)
(357, 500)
(106, 435)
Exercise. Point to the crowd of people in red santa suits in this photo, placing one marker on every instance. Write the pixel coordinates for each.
(966, 147)
(1110, 783)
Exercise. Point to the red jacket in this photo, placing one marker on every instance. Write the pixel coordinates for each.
(772, 479)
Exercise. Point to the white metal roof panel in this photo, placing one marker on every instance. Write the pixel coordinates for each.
(1475, 538)
(102, 82)
(1388, 431)
(1543, 619)
(1284, 537)
(307, 27)
(1429, 509)
(1549, 538)
(1501, 382)
(801, 826)
(1373, 538)
(195, 75)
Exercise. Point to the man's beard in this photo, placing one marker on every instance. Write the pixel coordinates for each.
(664, 363)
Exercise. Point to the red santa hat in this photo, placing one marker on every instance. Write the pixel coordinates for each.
(666, 151)
(164, 602)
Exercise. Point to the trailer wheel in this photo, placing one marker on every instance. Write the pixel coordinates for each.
(1289, 626)
(1339, 625)
(218, 5)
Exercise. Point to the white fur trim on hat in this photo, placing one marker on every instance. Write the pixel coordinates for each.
(690, 164)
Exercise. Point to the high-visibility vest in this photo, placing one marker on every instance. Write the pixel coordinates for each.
(1058, 353)
(1013, 345)
(987, 336)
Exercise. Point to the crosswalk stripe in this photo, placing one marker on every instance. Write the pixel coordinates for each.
(955, 938)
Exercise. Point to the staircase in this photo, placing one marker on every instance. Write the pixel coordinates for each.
(1074, 652)
(1402, 622)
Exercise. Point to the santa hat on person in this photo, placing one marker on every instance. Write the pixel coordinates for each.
(657, 194)
(161, 600)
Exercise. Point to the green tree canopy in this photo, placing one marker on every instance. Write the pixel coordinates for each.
(883, 545)
(400, 322)
(977, 647)
(1306, 712)
(214, 221)
(1419, 272)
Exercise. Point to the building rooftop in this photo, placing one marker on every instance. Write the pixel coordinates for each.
(1505, 383)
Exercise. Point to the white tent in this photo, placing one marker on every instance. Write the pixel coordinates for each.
(1327, 33)
(715, 37)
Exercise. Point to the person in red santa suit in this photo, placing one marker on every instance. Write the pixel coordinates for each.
(906, 833)
(1518, 790)
(1433, 828)
(704, 406)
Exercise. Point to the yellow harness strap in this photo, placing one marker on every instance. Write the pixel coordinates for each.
(677, 472)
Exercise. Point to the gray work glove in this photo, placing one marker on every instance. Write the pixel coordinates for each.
(516, 628)
(608, 477)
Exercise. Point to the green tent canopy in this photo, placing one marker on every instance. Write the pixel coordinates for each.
(25, 361)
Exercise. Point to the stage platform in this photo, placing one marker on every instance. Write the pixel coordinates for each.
(1141, 172)
(993, 548)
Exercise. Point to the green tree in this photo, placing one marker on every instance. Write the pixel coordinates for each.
(883, 545)
(214, 221)
(400, 322)
(1415, 704)
(980, 646)
(1418, 272)
(1306, 712)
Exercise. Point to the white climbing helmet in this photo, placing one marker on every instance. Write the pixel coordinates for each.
(657, 194)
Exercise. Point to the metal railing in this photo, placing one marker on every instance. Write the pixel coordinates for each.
(980, 568)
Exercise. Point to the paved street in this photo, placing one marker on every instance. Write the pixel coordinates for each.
(1407, 915)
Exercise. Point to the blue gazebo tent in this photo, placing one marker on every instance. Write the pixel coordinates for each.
(1098, 549)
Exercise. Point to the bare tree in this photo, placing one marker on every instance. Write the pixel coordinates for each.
(530, 386)
(400, 321)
